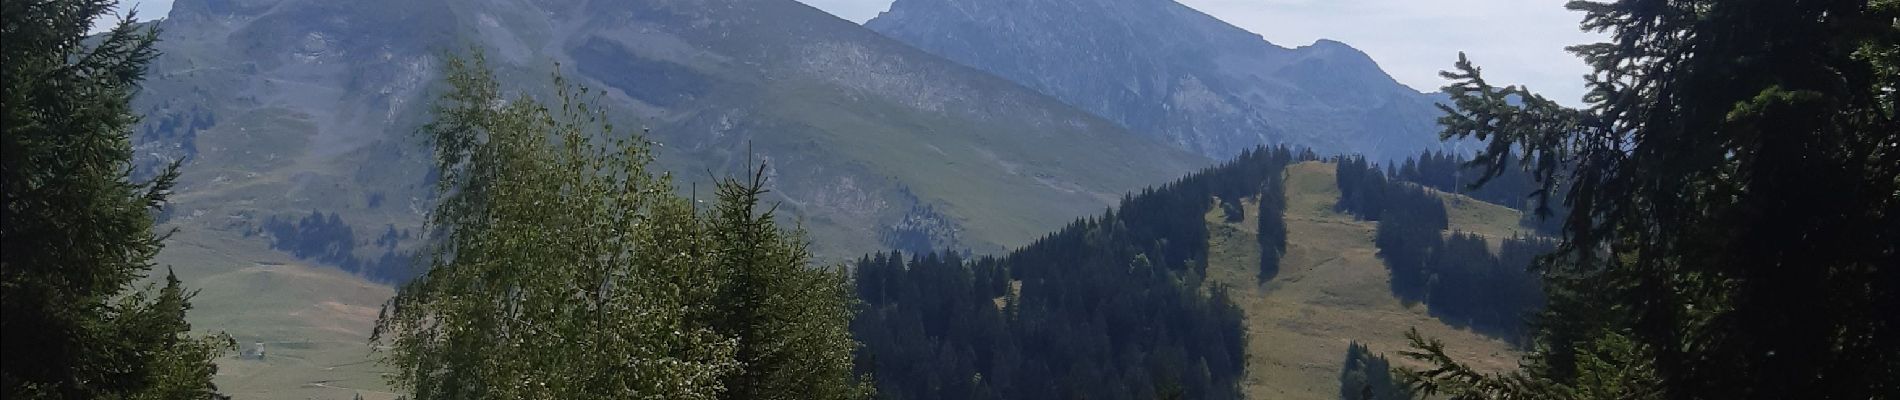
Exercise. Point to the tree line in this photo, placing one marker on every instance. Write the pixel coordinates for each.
(1513, 186)
(1452, 172)
(1111, 307)
(327, 238)
(1368, 376)
(1453, 273)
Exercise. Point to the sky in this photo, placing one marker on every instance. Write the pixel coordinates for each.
(148, 10)
(1514, 41)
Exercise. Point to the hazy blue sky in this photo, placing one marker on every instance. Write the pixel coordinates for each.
(1515, 41)
(148, 10)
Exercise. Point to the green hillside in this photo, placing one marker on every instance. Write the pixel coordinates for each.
(1331, 291)
(284, 107)
(313, 321)
(1081, 304)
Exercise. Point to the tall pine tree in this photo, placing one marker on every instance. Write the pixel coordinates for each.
(1733, 194)
(81, 319)
(1271, 225)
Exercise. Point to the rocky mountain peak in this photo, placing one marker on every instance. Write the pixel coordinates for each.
(285, 108)
(1161, 68)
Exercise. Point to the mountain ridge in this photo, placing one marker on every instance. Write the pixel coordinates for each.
(1167, 70)
(287, 106)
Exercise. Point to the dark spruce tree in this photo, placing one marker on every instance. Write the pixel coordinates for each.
(1111, 307)
(81, 316)
(1455, 173)
(1512, 185)
(1271, 225)
(1453, 273)
(1733, 205)
(1368, 376)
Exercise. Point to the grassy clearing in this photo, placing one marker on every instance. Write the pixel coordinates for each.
(314, 321)
(1492, 221)
(1332, 289)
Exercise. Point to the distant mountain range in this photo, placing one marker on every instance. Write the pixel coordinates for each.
(1007, 118)
(979, 125)
(1162, 69)
(284, 107)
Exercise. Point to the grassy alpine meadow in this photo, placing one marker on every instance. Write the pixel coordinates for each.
(1331, 290)
(313, 321)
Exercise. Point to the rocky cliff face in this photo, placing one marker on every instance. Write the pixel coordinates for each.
(281, 107)
(1160, 68)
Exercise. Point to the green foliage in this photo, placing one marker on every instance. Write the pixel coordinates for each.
(1270, 227)
(1457, 381)
(326, 238)
(792, 323)
(1367, 376)
(80, 320)
(563, 268)
(1456, 274)
(1110, 307)
(1609, 366)
(1733, 205)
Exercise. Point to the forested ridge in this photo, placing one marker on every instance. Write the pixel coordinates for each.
(1454, 173)
(1454, 273)
(1720, 221)
(1110, 307)
(326, 238)
(1514, 187)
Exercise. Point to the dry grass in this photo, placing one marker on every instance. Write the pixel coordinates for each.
(1332, 289)
(314, 321)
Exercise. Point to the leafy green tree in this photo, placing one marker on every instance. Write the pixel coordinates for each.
(1733, 194)
(564, 268)
(81, 319)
